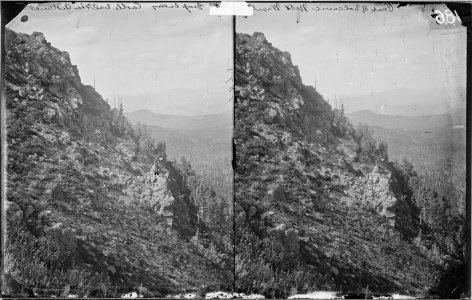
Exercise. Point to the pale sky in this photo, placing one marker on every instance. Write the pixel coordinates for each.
(165, 60)
(355, 55)
(173, 61)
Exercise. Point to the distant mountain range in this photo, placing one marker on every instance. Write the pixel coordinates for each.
(407, 102)
(223, 120)
(182, 101)
(455, 118)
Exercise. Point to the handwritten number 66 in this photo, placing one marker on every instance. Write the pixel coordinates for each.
(447, 17)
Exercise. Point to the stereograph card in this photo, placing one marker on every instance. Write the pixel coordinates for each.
(285, 150)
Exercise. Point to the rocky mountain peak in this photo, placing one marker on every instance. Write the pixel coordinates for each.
(307, 181)
(80, 175)
(260, 37)
(39, 36)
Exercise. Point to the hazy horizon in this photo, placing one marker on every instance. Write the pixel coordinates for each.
(180, 115)
(142, 56)
(357, 56)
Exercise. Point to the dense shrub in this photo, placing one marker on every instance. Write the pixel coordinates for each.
(214, 237)
(147, 149)
(368, 151)
(35, 264)
(367, 144)
(442, 231)
(341, 126)
(382, 151)
(264, 266)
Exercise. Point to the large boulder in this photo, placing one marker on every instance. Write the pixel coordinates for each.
(277, 193)
(39, 36)
(13, 212)
(259, 36)
(29, 211)
(271, 114)
(288, 238)
(11, 287)
(64, 238)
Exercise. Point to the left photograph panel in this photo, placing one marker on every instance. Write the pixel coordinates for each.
(118, 127)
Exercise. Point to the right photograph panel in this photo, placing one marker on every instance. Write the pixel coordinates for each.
(350, 175)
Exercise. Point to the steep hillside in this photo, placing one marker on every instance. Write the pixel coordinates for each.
(318, 205)
(81, 179)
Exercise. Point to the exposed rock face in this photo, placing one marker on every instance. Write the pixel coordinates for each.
(76, 174)
(166, 194)
(299, 180)
(39, 36)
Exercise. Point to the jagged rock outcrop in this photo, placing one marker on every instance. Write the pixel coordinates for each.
(301, 182)
(77, 175)
(166, 194)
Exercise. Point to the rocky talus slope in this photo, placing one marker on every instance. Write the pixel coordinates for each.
(79, 173)
(302, 185)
